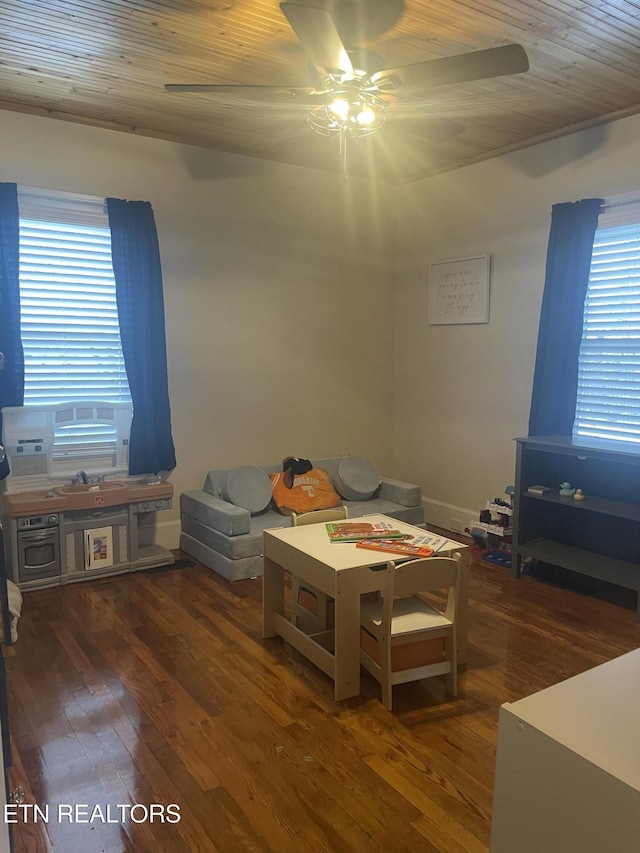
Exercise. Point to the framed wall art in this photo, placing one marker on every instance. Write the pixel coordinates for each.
(459, 291)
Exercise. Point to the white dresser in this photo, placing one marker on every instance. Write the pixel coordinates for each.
(568, 766)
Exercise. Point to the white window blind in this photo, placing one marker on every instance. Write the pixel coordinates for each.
(608, 402)
(69, 321)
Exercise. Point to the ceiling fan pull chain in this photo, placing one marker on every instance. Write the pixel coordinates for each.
(343, 155)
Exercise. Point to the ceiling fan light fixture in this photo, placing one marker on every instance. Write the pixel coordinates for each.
(348, 114)
(366, 117)
(340, 108)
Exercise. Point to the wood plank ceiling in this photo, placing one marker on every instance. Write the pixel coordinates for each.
(105, 63)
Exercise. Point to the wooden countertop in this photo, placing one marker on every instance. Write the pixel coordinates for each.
(18, 504)
(32, 503)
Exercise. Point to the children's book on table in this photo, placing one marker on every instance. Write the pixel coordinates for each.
(425, 545)
(396, 547)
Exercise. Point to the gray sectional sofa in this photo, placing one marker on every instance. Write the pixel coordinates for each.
(228, 538)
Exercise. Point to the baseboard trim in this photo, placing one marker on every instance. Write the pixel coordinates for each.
(439, 514)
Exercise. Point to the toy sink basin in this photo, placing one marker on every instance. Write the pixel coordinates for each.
(78, 488)
(89, 495)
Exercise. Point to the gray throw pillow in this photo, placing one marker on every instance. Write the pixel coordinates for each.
(357, 479)
(248, 487)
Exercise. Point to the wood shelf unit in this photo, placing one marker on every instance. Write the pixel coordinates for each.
(598, 537)
(620, 509)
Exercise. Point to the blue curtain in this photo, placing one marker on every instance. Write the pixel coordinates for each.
(12, 374)
(136, 267)
(555, 380)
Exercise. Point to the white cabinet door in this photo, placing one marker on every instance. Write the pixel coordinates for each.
(98, 548)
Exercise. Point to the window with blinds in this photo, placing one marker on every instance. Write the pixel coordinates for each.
(69, 320)
(608, 402)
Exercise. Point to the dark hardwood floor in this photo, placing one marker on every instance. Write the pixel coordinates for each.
(157, 688)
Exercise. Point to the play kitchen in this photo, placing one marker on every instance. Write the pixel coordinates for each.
(63, 535)
(90, 525)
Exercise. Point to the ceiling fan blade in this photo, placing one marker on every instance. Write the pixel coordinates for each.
(441, 129)
(495, 62)
(306, 96)
(299, 94)
(319, 37)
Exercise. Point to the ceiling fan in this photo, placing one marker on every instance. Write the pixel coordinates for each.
(353, 88)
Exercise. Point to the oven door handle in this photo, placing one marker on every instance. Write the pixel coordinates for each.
(37, 537)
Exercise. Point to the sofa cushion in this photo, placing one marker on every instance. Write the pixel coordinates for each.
(214, 512)
(396, 491)
(235, 547)
(356, 479)
(232, 570)
(248, 487)
(410, 514)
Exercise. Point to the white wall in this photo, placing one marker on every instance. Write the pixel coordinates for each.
(278, 293)
(462, 393)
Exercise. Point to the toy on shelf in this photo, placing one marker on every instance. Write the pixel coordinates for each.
(579, 495)
(566, 490)
(479, 538)
(492, 533)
